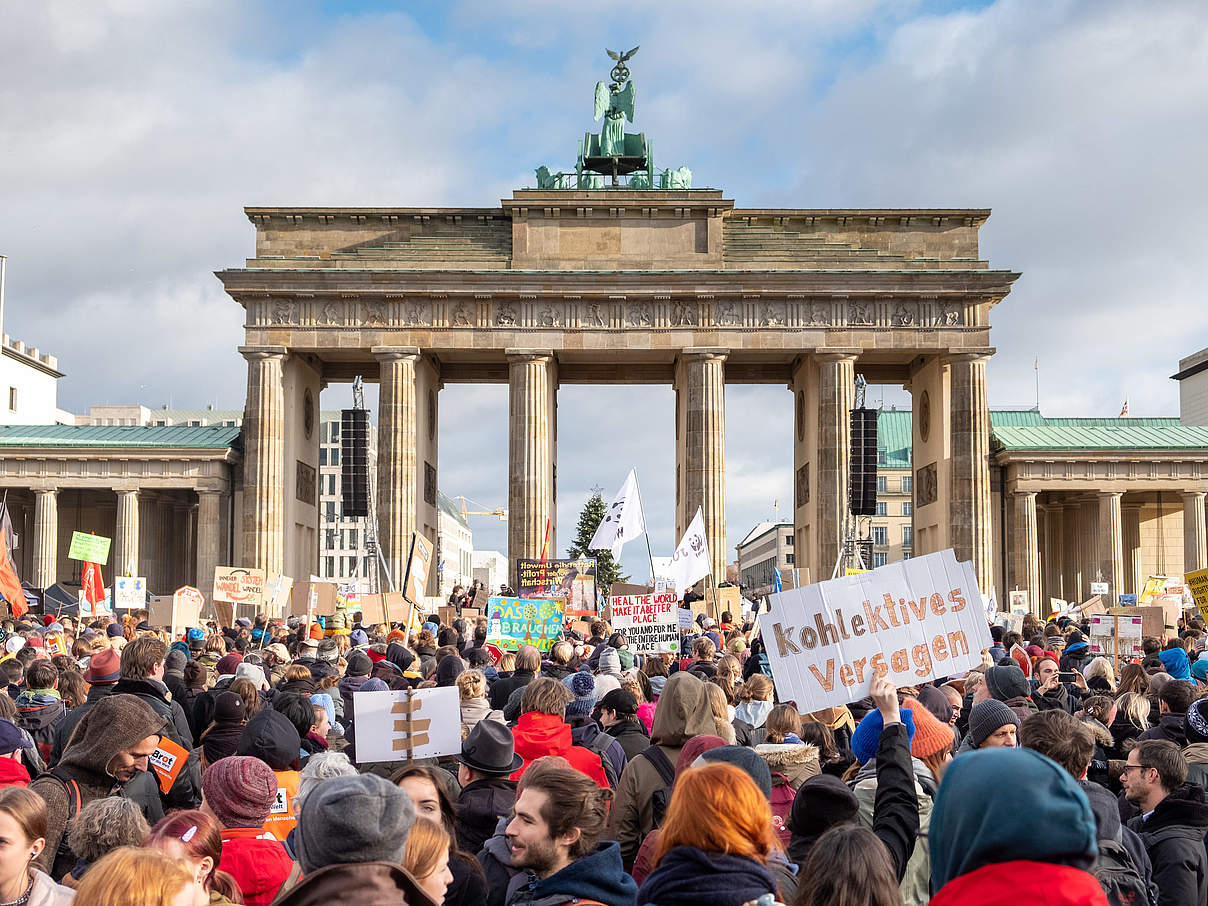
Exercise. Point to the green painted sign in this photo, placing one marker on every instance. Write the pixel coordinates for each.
(91, 548)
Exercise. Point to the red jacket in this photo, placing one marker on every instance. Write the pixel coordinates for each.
(257, 861)
(13, 773)
(1022, 883)
(538, 735)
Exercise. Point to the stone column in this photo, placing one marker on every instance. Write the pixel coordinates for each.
(532, 453)
(125, 540)
(209, 531)
(700, 385)
(1053, 567)
(1072, 572)
(1111, 542)
(969, 509)
(264, 459)
(1026, 555)
(46, 538)
(1131, 513)
(396, 464)
(836, 396)
(1195, 540)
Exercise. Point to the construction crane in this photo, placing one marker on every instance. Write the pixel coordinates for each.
(465, 511)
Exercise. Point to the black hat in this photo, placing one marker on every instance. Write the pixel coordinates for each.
(490, 749)
(619, 700)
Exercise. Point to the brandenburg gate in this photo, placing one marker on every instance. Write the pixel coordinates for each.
(575, 282)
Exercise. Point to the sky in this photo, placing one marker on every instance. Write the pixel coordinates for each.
(133, 132)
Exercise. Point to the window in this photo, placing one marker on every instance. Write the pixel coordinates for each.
(879, 560)
(905, 555)
(907, 536)
(12, 399)
(335, 456)
(331, 567)
(329, 511)
(908, 508)
(882, 508)
(335, 431)
(322, 456)
(882, 484)
(788, 559)
(907, 484)
(880, 535)
(881, 457)
(788, 540)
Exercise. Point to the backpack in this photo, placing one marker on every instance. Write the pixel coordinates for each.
(782, 805)
(1117, 874)
(600, 745)
(64, 859)
(666, 771)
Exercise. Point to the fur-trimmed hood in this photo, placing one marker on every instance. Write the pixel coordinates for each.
(797, 761)
(1103, 736)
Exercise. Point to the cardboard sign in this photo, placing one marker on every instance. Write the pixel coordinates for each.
(572, 579)
(1154, 586)
(525, 621)
(167, 761)
(88, 547)
(650, 622)
(407, 724)
(187, 603)
(382, 608)
(324, 599)
(415, 583)
(728, 599)
(1102, 635)
(129, 592)
(276, 595)
(1197, 584)
(55, 644)
(912, 621)
(624, 588)
(238, 585)
(447, 614)
(1152, 618)
(159, 611)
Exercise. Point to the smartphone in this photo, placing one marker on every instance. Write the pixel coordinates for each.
(1066, 676)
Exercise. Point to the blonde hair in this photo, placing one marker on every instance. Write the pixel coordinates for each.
(425, 844)
(133, 876)
(1136, 707)
(507, 662)
(471, 684)
(757, 688)
(721, 713)
(1101, 666)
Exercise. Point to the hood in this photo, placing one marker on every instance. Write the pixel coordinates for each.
(271, 737)
(656, 684)
(113, 724)
(683, 712)
(398, 655)
(541, 734)
(1013, 803)
(754, 712)
(687, 875)
(1176, 663)
(1187, 807)
(599, 876)
(483, 801)
(1102, 734)
(784, 754)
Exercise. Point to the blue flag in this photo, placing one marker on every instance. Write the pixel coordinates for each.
(776, 585)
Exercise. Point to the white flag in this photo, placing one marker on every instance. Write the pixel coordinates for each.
(690, 562)
(623, 521)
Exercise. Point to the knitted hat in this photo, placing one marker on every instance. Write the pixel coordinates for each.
(936, 702)
(196, 638)
(239, 790)
(931, 736)
(395, 635)
(244, 622)
(361, 818)
(252, 674)
(327, 703)
(610, 661)
(279, 651)
(358, 639)
(986, 718)
(13, 644)
(373, 684)
(329, 651)
(175, 659)
(1199, 669)
(448, 670)
(228, 708)
(228, 664)
(1006, 682)
(1197, 720)
(583, 687)
(113, 630)
(694, 748)
(867, 737)
(104, 668)
(745, 758)
(11, 738)
(821, 802)
(358, 664)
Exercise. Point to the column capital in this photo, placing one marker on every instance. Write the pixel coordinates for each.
(257, 353)
(520, 354)
(394, 353)
(1193, 495)
(706, 353)
(42, 492)
(969, 355)
(1107, 495)
(122, 489)
(1025, 494)
(829, 356)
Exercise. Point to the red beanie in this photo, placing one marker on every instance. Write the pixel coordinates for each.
(240, 790)
(227, 663)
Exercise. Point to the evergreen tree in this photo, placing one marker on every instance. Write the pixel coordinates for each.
(608, 570)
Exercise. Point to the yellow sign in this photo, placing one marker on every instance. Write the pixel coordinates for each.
(852, 571)
(1154, 586)
(1197, 583)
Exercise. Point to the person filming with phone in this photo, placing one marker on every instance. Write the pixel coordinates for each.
(1054, 689)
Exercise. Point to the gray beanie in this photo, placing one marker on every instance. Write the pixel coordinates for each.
(362, 818)
(359, 664)
(609, 662)
(987, 717)
(1007, 681)
(745, 758)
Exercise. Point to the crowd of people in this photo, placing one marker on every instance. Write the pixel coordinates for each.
(220, 767)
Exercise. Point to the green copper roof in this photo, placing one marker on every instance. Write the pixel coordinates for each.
(1109, 434)
(894, 438)
(208, 436)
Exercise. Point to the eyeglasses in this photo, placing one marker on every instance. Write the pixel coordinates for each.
(1133, 767)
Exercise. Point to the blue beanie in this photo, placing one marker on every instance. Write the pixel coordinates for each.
(358, 639)
(582, 686)
(868, 733)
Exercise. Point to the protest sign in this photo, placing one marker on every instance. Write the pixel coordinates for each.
(726, 599)
(382, 608)
(912, 621)
(159, 610)
(88, 547)
(684, 617)
(525, 621)
(324, 603)
(1129, 600)
(624, 588)
(187, 602)
(238, 585)
(573, 580)
(407, 724)
(415, 583)
(1018, 601)
(1197, 584)
(1152, 622)
(129, 592)
(1099, 588)
(650, 622)
(1154, 586)
(1103, 635)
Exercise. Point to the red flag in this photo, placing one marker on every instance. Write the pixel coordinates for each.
(93, 584)
(10, 585)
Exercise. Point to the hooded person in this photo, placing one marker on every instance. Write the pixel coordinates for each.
(1036, 848)
(16, 755)
(1174, 662)
(221, 738)
(1196, 751)
(683, 712)
(352, 834)
(1077, 652)
(357, 672)
(402, 658)
(239, 792)
(271, 737)
(102, 673)
(585, 732)
(110, 747)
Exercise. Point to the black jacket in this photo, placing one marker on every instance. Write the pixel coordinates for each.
(1170, 726)
(502, 688)
(632, 736)
(1174, 838)
(203, 706)
(479, 808)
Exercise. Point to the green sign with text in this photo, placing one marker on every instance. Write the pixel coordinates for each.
(91, 548)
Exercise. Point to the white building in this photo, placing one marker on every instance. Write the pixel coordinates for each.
(769, 545)
(490, 568)
(1193, 388)
(29, 381)
(454, 547)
